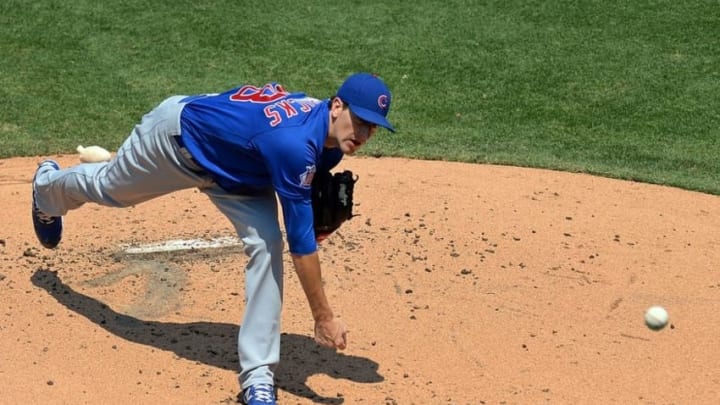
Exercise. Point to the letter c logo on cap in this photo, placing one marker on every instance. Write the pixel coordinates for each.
(383, 101)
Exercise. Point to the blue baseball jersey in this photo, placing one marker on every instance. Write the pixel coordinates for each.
(251, 138)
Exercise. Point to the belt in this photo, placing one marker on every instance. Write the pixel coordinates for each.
(185, 156)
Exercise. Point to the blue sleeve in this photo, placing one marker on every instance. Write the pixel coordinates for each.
(298, 215)
(291, 162)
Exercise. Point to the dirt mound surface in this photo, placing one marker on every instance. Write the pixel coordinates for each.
(459, 283)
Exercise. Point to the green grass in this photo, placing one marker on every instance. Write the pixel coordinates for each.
(620, 89)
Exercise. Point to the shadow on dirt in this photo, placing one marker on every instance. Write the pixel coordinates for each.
(214, 344)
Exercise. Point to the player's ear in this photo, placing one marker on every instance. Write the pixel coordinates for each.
(336, 107)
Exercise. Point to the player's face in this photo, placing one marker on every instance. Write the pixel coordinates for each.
(361, 127)
(348, 131)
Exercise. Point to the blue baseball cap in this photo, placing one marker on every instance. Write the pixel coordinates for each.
(368, 97)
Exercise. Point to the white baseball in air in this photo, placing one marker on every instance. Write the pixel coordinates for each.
(656, 317)
(93, 154)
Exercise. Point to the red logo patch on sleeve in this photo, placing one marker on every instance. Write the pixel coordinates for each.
(306, 177)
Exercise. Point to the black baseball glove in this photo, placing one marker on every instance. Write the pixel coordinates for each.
(332, 200)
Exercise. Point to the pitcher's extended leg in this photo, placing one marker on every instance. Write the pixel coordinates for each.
(147, 165)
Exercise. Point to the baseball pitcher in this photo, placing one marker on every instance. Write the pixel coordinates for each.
(244, 148)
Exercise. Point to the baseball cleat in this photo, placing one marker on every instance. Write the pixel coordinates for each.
(48, 229)
(261, 394)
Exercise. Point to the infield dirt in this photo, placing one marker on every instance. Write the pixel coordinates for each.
(459, 283)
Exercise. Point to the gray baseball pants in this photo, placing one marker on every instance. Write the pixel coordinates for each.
(150, 164)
